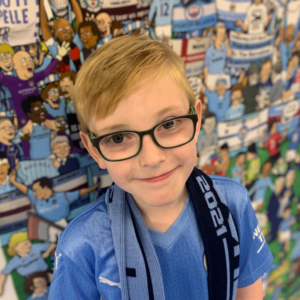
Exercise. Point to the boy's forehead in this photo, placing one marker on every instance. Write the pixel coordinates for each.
(145, 107)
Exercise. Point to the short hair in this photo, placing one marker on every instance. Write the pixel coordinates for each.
(70, 74)
(117, 69)
(237, 87)
(3, 155)
(252, 148)
(267, 60)
(287, 207)
(224, 147)
(49, 86)
(14, 240)
(210, 115)
(28, 285)
(239, 154)
(93, 25)
(59, 139)
(26, 103)
(5, 48)
(218, 25)
(44, 181)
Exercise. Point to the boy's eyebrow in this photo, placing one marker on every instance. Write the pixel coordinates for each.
(125, 126)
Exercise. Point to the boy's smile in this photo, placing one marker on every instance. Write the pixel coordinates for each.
(156, 177)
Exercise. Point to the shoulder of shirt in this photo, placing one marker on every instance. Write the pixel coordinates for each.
(235, 195)
(91, 224)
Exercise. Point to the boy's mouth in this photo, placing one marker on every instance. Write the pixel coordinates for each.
(159, 177)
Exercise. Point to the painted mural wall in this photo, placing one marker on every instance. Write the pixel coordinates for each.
(242, 60)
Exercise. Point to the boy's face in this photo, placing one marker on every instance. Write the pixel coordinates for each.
(39, 284)
(240, 160)
(150, 104)
(221, 88)
(7, 131)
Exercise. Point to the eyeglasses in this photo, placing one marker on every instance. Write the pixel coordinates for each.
(170, 133)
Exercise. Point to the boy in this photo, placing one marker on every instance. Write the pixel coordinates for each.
(145, 243)
(237, 108)
(238, 170)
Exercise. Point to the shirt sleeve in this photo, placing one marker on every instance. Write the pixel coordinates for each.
(31, 196)
(255, 255)
(72, 196)
(70, 281)
(11, 265)
(40, 247)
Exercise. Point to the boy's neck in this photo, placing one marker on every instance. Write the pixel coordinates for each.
(162, 218)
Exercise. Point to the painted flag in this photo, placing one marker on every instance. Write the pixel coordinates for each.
(196, 15)
(243, 132)
(38, 228)
(247, 48)
(192, 52)
(19, 22)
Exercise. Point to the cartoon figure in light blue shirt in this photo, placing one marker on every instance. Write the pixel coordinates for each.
(54, 103)
(39, 127)
(37, 286)
(216, 57)
(163, 18)
(5, 184)
(218, 100)
(237, 171)
(63, 32)
(27, 258)
(285, 232)
(51, 206)
(261, 186)
(237, 108)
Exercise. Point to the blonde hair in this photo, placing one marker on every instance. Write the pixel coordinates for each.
(118, 68)
(5, 48)
(14, 240)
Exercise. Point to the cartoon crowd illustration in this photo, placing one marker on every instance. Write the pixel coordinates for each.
(242, 59)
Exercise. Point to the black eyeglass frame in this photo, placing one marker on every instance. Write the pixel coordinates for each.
(96, 140)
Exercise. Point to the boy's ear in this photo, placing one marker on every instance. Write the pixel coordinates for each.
(92, 150)
(198, 108)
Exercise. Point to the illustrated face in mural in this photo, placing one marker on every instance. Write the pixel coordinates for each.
(6, 62)
(41, 192)
(265, 71)
(266, 169)
(209, 125)
(7, 132)
(53, 98)
(23, 248)
(293, 63)
(289, 33)
(236, 97)
(66, 86)
(63, 30)
(221, 87)
(220, 36)
(37, 112)
(4, 169)
(33, 49)
(39, 285)
(103, 21)
(61, 150)
(240, 160)
(88, 38)
(23, 65)
(257, 2)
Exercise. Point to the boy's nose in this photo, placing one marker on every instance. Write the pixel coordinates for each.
(151, 154)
